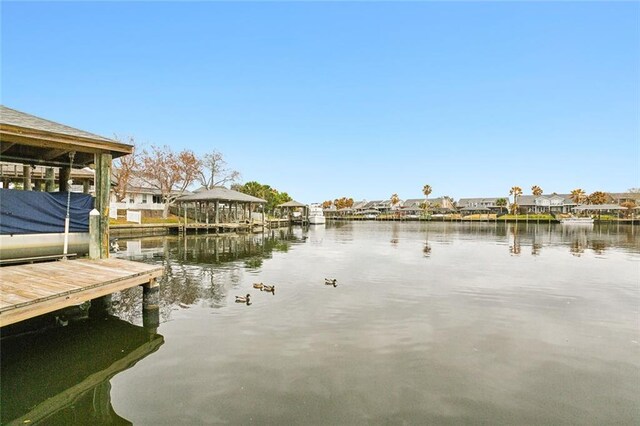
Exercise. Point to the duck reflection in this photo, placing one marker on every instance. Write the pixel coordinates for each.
(61, 375)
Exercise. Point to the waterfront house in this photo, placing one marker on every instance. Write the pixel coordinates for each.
(481, 204)
(139, 196)
(623, 197)
(359, 206)
(551, 203)
(412, 205)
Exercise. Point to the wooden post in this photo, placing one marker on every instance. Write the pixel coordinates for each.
(26, 178)
(217, 216)
(49, 176)
(94, 234)
(103, 186)
(151, 304)
(63, 179)
(86, 185)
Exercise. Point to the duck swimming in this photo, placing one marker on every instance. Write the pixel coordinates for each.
(243, 299)
(259, 286)
(332, 281)
(269, 288)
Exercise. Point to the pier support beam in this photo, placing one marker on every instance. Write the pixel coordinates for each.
(103, 186)
(101, 307)
(151, 304)
(94, 234)
(50, 183)
(63, 179)
(26, 178)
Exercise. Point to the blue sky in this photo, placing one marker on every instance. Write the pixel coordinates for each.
(362, 99)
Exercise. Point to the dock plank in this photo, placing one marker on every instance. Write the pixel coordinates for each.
(34, 289)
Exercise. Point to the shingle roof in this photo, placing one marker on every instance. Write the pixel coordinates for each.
(221, 194)
(292, 203)
(16, 118)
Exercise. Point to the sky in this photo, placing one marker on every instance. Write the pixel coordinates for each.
(357, 99)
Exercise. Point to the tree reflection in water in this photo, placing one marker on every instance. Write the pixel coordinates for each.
(199, 268)
(515, 248)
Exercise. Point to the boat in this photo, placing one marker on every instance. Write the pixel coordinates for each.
(577, 221)
(316, 217)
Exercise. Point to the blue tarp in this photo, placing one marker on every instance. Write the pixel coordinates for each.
(32, 212)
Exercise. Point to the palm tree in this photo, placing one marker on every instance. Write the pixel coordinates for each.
(394, 200)
(426, 190)
(598, 197)
(578, 196)
(516, 191)
(502, 202)
(536, 190)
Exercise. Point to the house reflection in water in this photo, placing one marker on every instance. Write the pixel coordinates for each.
(61, 376)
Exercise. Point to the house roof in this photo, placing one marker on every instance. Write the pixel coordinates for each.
(292, 203)
(32, 140)
(625, 195)
(220, 193)
(415, 202)
(359, 204)
(484, 200)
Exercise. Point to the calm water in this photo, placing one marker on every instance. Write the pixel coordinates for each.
(429, 324)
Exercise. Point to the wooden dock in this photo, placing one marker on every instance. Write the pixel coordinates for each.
(27, 291)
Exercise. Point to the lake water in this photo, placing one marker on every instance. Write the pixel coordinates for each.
(440, 323)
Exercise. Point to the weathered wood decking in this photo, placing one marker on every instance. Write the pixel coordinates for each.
(27, 291)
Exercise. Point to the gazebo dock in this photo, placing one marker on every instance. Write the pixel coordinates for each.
(220, 210)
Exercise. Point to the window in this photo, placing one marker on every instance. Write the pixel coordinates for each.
(131, 199)
(144, 198)
(157, 199)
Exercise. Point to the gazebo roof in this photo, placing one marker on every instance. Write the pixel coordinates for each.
(220, 193)
(32, 140)
(292, 203)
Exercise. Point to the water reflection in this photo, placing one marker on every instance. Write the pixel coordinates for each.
(476, 334)
(62, 376)
(201, 268)
(598, 239)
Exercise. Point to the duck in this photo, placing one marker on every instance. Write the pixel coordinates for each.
(269, 288)
(243, 299)
(259, 286)
(331, 281)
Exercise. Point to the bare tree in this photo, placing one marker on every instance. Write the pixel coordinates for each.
(125, 169)
(214, 171)
(169, 172)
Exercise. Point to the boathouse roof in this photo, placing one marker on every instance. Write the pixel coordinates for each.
(32, 140)
(292, 203)
(220, 193)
